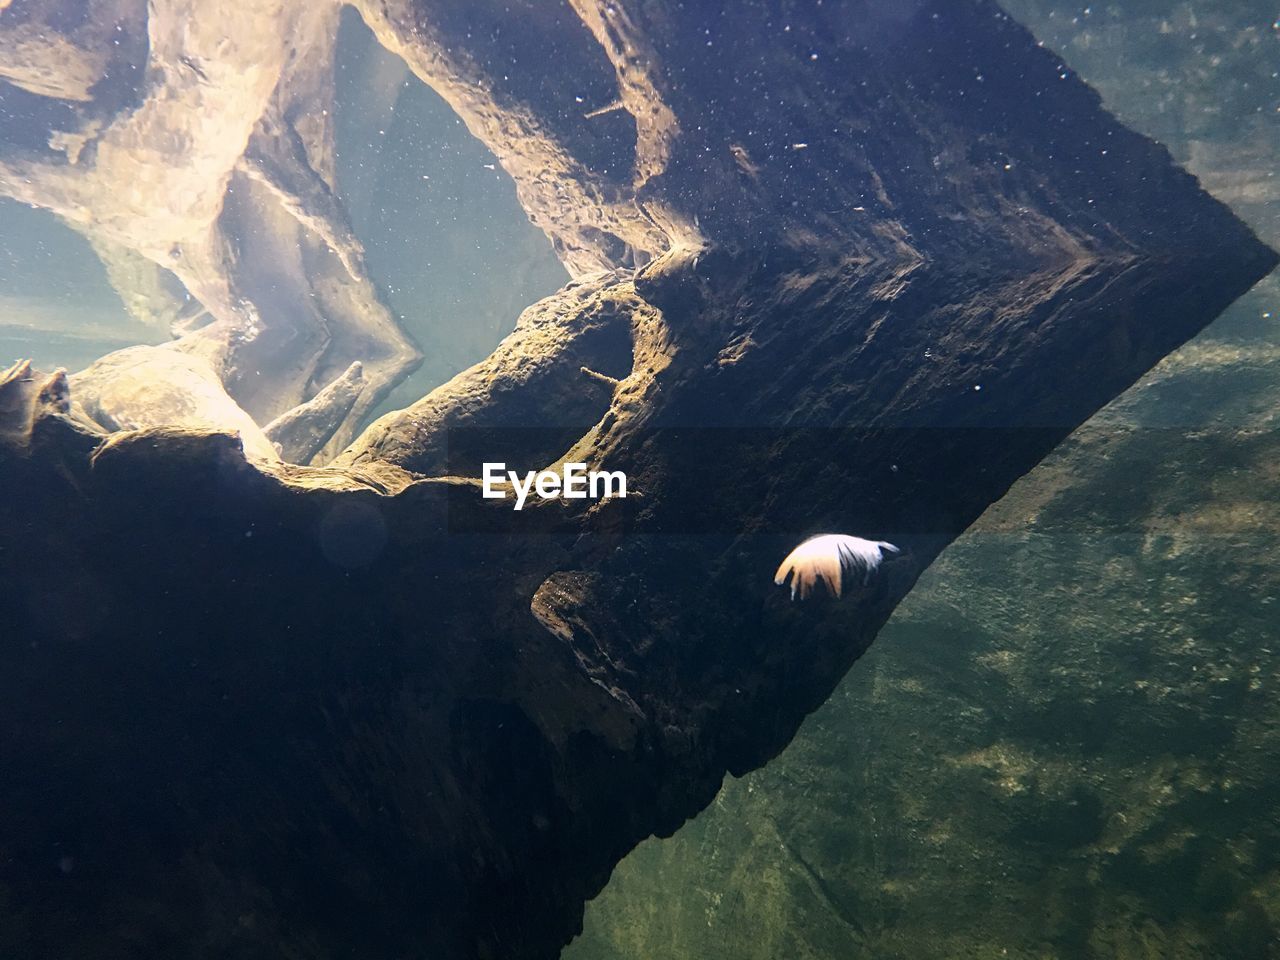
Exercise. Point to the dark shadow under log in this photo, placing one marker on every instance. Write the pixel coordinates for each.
(345, 712)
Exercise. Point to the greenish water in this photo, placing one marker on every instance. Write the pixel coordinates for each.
(1066, 743)
(57, 306)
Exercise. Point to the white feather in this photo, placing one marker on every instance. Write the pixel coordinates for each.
(827, 557)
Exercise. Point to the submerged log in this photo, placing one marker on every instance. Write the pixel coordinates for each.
(143, 387)
(888, 256)
(217, 169)
(305, 429)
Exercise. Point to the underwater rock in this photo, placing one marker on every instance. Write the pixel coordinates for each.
(863, 273)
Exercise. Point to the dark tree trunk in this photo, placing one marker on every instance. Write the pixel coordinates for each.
(888, 256)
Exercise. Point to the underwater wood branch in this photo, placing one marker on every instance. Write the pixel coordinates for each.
(376, 713)
(199, 173)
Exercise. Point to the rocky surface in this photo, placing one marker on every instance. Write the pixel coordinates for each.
(866, 267)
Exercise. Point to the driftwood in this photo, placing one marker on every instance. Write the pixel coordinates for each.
(303, 431)
(854, 268)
